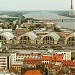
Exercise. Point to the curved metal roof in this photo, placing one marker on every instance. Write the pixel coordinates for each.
(71, 35)
(31, 35)
(1, 29)
(53, 34)
(8, 35)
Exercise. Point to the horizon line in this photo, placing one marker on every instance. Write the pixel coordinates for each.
(35, 10)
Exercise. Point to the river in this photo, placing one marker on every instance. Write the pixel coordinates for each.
(52, 16)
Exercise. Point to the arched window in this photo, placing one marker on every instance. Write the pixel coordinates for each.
(48, 40)
(24, 40)
(2, 39)
(71, 41)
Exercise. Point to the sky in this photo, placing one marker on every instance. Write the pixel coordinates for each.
(22, 5)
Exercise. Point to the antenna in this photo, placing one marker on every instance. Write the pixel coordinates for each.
(71, 13)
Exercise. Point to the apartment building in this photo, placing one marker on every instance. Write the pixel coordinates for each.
(5, 61)
(66, 53)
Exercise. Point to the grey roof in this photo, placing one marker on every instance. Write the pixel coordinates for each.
(31, 35)
(54, 35)
(71, 35)
(62, 51)
(8, 35)
(4, 54)
(1, 29)
(24, 52)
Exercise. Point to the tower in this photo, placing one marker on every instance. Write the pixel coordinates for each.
(71, 13)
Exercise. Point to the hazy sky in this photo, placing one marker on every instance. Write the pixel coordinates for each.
(35, 4)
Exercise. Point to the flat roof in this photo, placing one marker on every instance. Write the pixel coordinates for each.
(61, 50)
(4, 54)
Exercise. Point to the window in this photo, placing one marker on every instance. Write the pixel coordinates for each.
(48, 40)
(24, 40)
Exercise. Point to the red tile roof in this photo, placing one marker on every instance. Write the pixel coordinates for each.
(12, 69)
(46, 58)
(55, 57)
(33, 60)
(33, 72)
(68, 63)
(58, 57)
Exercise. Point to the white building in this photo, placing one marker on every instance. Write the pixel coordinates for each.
(4, 60)
(6, 73)
(67, 54)
(5, 30)
(13, 58)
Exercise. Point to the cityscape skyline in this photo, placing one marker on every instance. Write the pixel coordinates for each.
(23, 5)
(37, 37)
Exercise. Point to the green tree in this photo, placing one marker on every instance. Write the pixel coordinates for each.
(38, 25)
(9, 26)
(57, 30)
(51, 73)
(23, 20)
(31, 28)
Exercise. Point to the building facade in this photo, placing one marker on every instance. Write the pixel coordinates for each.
(5, 61)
